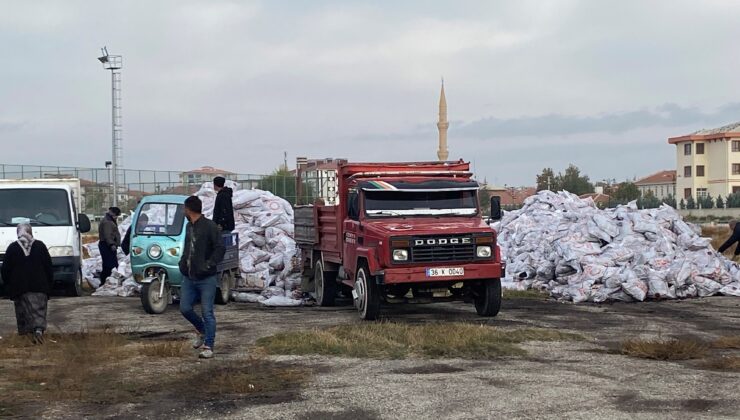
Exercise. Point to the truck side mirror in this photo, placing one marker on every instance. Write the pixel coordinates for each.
(83, 223)
(495, 208)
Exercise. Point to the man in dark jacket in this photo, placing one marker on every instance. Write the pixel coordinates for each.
(203, 250)
(223, 209)
(110, 240)
(735, 237)
(28, 276)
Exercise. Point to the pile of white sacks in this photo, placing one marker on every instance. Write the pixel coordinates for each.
(565, 245)
(267, 250)
(121, 281)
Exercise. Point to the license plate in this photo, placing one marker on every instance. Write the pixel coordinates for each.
(445, 272)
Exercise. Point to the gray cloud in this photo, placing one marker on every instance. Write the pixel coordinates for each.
(668, 115)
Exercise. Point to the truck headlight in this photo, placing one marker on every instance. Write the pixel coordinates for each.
(483, 252)
(400, 255)
(155, 251)
(61, 251)
(173, 251)
(137, 250)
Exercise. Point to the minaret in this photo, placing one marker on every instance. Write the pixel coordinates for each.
(442, 125)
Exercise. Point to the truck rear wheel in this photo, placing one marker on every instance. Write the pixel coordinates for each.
(224, 289)
(488, 298)
(325, 285)
(366, 295)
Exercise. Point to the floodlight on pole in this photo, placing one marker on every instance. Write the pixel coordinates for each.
(114, 63)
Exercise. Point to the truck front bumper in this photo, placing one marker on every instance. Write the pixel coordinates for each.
(473, 271)
(65, 270)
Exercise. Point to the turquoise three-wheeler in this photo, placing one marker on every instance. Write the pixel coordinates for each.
(157, 243)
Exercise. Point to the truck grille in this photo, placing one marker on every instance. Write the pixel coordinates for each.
(442, 248)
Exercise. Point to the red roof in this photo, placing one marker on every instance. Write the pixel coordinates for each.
(725, 132)
(514, 196)
(662, 177)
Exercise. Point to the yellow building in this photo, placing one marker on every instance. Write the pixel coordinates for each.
(708, 162)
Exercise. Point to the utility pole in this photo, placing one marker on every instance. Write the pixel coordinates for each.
(114, 63)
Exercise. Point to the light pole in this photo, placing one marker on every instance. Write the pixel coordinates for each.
(114, 63)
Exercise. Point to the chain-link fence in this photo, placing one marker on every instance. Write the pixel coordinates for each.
(97, 190)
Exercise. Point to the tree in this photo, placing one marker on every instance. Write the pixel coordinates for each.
(706, 202)
(572, 181)
(670, 200)
(649, 201)
(683, 204)
(282, 183)
(546, 180)
(484, 196)
(690, 203)
(626, 192)
(720, 202)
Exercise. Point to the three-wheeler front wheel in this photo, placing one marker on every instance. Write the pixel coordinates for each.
(151, 300)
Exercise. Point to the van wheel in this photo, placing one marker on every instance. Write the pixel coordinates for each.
(75, 289)
(488, 298)
(150, 299)
(224, 289)
(366, 294)
(325, 285)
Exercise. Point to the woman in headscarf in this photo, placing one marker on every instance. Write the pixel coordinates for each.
(28, 277)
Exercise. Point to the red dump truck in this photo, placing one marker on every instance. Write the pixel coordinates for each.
(408, 232)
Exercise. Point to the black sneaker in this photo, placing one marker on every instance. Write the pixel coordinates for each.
(38, 337)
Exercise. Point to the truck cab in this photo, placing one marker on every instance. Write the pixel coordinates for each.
(401, 233)
(50, 207)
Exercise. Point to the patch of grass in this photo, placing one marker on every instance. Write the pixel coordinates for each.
(724, 363)
(526, 294)
(250, 376)
(674, 349)
(727, 342)
(396, 341)
(104, 367)
(719, 234)
(164, 349)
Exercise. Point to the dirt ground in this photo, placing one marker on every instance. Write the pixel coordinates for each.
(582, 379)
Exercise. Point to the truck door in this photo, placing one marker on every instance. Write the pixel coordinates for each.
(352, 234)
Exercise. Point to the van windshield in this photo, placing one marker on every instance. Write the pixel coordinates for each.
(160, 219)
(421, 203)
(39, 207)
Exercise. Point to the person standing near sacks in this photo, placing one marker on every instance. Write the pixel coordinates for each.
(29, 277)
(734, 237)
(202, 252)
(223, 209)
(110, 240)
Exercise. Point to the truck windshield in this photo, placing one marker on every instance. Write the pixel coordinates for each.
(422, 203)
(160, 219)
(39, 207)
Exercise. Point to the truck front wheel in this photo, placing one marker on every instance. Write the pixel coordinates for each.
(488, 298)
(150, 299)
(366, 295)
(325, 285)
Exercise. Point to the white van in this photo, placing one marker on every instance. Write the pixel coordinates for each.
(50, 206)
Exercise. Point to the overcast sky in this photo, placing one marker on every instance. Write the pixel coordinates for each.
(601, 84)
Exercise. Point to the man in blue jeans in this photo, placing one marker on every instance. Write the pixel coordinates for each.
(204, 249)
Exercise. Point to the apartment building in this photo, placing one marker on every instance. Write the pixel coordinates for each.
(708, 162)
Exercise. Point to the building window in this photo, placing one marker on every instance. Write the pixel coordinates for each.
(687, 171)
(699, 148)
(736, 168)
(736, 145)
(701, 193)
(735, 190)
(687, 149)
(687, 193)
(699, 170)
